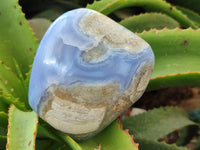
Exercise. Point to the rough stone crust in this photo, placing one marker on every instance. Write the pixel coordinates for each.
(108, 33)
(83, 110)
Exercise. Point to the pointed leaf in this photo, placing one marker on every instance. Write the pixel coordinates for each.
(12, 89)
(22, 129)
(176, 57)
(10, 83)
(3, 141)
(190, 4)
(46, 131)
(157, 123)
(48, 144)
(186, 134)
(3, 120)
(145, 144)
(3, 106)
(148, 21)
(16, 37)
(111, 138)
(109, 6)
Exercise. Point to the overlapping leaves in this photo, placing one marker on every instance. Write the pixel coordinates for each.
(171, 48)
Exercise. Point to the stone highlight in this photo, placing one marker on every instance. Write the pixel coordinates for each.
(88, 70)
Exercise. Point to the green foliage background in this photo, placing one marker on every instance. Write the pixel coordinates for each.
(171, 28)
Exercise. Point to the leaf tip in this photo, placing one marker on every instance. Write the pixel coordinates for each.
(127, 132)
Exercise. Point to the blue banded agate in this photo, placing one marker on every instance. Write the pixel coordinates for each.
(87, 71)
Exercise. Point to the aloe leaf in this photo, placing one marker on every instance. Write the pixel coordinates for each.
(108, 6)
(190, 14)
(176, 57)
(113, 137)
(3, 130)
(190, 4)
(48, 144)
(46, 131)
(3, 141)
(10, 99)
(3, 106)
(70, 142)
(3, 120)
(146, 144)
(186, 134)
(21, 130)
(147, 21)
(157, 123)
(16, 37)
(12, 89)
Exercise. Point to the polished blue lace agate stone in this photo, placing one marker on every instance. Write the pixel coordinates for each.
(88, 70)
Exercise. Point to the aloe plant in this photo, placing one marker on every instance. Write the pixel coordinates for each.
(173, 32)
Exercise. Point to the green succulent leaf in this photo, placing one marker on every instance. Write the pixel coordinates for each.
(176, 57)
(191, 4)
(3, 120)
(108, 6)
(113, 137)
(48, 144)
(17, 48)
(147, 21)
(157, 123)
(45, 131)
(3, 141)
(146, 144)
(190, 14)
(186, 134)
(16, 37)
(22, 129)
(11, 88)
(3, 106)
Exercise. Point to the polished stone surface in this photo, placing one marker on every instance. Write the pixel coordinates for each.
(88, 69)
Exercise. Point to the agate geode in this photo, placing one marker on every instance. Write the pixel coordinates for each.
(88, 69)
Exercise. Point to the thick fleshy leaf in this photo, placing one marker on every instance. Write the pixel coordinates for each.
(190, 14)
(190, 4)
(3, 130)
(109, 6)
(16, 37)
(3, 106)
(111, 138)
(147, 21)
(45, 131)
(186, 134)
(176, 57)
(145, 144)
(12, 89)
(3, 141)
(21, 130)
(3, 120)
(48, 144)
(157, 123)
